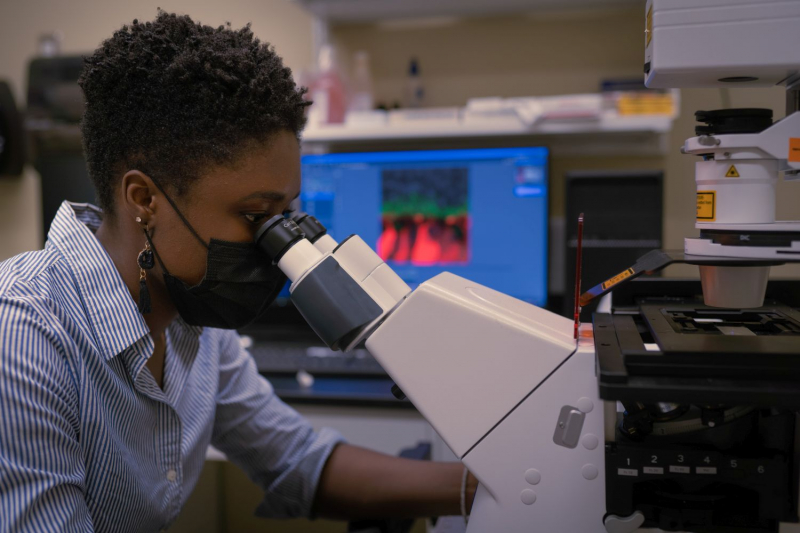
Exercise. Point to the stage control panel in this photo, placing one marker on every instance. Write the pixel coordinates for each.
(687, 488)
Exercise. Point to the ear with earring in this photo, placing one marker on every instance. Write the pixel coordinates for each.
(146, 262)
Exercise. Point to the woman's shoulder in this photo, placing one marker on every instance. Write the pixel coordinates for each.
(26, 267)
(40, 317)
(36, 346)
(34, 282)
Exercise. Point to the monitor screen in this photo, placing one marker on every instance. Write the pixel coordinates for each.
(479, 213)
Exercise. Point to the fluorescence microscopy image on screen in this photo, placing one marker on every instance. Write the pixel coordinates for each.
(425, 215)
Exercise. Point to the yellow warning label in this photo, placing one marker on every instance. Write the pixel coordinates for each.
(646, 104)
(649, 29)
(706, 206)
(616, 279)
(732, 172)
(794, 150)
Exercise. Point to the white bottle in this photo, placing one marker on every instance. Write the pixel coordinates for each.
(362, 98)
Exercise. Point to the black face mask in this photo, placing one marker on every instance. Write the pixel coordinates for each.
(239, 285)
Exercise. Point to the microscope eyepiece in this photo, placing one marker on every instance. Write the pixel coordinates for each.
(277, 235)
(312, 227)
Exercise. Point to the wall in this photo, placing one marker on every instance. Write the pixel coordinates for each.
(84, 24)
(530, 54)
(546, 54)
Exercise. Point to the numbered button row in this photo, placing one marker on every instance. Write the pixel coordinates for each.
(707, 466)
(672, 469)
(662, 460)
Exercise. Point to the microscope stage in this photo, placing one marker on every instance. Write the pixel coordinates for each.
(694, 339)
(686, 352)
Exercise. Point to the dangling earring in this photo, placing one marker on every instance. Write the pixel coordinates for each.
(146, 262)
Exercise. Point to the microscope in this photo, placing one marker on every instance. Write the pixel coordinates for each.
(668, 412)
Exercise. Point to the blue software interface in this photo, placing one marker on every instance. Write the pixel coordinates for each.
(480, 214)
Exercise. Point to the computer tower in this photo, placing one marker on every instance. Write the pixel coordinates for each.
(623, 220)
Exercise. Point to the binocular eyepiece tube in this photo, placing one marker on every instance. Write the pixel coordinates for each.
(342, 290)
(315, 232)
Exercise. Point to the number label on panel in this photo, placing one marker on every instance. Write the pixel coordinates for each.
(680, 458)
(675, 469)
(629, 461)
(734, 463)
(707, 460)
(654, 459)
(760, 469)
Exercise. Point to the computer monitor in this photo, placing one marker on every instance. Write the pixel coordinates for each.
(478, 213)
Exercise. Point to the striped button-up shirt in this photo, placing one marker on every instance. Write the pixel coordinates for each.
(88, 440)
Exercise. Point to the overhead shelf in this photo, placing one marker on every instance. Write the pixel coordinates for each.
(371, 10)
(610, 134)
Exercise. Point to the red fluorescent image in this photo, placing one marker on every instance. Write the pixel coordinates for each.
(425, 216)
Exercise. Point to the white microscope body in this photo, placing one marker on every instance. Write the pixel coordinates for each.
(503, 382)
(512, 394)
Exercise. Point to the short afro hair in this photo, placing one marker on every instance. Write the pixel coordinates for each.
(172, 96)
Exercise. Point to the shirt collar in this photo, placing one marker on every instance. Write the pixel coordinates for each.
(111, 311)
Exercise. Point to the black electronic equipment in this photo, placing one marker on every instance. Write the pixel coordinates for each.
(623, 221)
(55, 108)
(53, 91)
(706, 442)
(12, 145)
(689, 482)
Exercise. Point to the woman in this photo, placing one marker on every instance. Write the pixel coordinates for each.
(118, 360)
